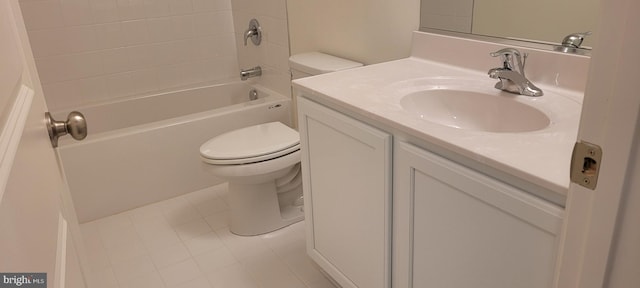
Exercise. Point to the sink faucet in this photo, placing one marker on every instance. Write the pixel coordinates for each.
(512, 78)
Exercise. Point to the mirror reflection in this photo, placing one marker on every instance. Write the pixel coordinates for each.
(546, 21)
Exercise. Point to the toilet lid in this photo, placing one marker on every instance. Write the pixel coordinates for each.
(251, 144)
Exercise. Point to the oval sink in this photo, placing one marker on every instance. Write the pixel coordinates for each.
(474, 111)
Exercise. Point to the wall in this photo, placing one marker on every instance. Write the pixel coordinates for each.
(273, 52)
(93, 50)
(367, 31)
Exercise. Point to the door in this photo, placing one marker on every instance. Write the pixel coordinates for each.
(36, 215)
(456, 227)
(348, 200)
(602, 229)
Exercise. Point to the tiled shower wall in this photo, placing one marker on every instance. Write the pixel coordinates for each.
(88, 51)
(273, 53)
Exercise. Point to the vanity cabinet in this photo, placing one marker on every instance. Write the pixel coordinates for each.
(346, 167)
(457, 228)
(440, 224)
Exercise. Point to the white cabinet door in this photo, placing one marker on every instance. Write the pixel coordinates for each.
(457, 228)
(347, 193)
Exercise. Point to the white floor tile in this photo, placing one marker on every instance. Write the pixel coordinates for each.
(172, 254)
(211, 206)
(203, 195)
(185, 242)
(218, 220)
(200, 282)
(148, 280)
(203, 243)
(180, 272)
(114, 238)
(215, 260)
(233, 276)
(104, 278)
(128, 271)
(126, 251)
(240, 246)
(193, 229)
(178, 211)
(271, 272)
(158, 237)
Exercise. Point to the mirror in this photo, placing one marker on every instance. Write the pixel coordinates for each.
(540, 21)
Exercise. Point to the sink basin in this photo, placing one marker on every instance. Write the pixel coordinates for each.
(472, 110)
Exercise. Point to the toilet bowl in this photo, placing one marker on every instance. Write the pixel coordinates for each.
(262, 166)
(262, 162)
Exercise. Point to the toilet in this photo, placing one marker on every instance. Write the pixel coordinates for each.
(261, 163)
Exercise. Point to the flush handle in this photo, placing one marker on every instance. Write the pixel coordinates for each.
(76, 126)
(585, 164)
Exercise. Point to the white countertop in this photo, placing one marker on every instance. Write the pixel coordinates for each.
(374, 92)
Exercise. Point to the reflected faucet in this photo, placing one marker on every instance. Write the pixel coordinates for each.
(512, 78)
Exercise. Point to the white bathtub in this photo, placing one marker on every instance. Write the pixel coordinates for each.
(146, 149)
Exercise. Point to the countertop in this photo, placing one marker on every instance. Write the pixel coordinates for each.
(373, 92)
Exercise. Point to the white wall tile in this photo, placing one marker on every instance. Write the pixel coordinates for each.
(131, 9)
(170, 28)
(115, 60)
(157, 8)
(67, 94)
(213, 23)
(83, 39)
(220, 69)
(211, 5)
(42, 14)
(76, 12)
(109, 35)
(140, 57)
(68, 67)
(130, 83)
(135, 32)
(49, 42)
(93, 50)
(180, 7)
(104, 11)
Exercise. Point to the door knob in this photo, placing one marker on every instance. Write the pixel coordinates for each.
(76, 126)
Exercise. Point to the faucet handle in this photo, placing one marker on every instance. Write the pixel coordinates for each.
(254, 32)
(505, 52)
(507, 55)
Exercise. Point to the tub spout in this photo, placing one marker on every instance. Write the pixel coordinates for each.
(250, 73)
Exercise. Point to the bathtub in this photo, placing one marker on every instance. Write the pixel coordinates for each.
(146, 149)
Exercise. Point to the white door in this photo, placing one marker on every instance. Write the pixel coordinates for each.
(35, 214)
(602, 230)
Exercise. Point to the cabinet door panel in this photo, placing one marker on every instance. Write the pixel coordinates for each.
(346, 166)
(469, 230)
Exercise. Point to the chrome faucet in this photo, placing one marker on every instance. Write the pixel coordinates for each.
(254, 32)
(250, 73)
(574, 40)
(512, 78)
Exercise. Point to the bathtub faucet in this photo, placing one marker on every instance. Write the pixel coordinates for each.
(250, 73)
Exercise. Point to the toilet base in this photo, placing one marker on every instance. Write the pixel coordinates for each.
(254, 209)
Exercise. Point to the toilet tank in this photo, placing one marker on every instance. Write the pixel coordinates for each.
(315, 63)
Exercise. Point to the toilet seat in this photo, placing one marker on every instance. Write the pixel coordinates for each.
(251, 144)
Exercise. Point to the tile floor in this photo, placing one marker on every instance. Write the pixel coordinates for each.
(185, 242)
